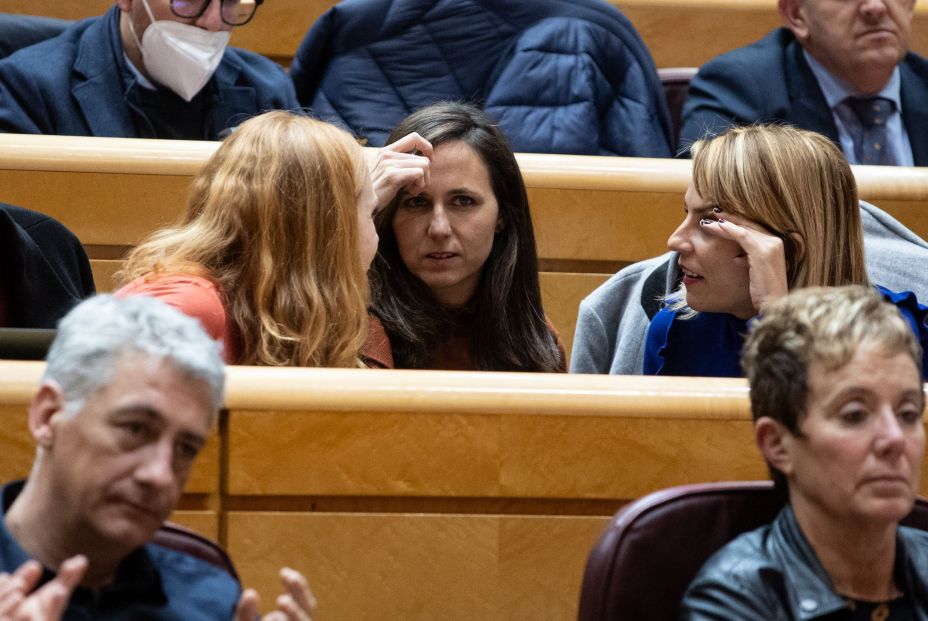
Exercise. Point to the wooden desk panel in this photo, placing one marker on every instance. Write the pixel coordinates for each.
(603, 226)
(591, 214)
(561, 294)
(205, 523)
(495, 435)
(423, 455)
(102, 209)
(420, 567)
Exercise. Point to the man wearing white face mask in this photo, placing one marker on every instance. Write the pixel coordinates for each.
(145, 69)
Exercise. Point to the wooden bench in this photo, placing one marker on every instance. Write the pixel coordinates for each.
(679, 33)
(425, 495)
(441, 495)
(592, 215)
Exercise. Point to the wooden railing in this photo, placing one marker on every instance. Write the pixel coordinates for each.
(427, 495)
(436, 495)
(592, 215)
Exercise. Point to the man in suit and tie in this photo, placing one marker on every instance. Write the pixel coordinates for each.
(839, 67)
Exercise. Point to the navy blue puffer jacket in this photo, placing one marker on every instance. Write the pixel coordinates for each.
(560, 76)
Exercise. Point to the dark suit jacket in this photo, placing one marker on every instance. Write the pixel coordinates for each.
(19, 31)
(770, 80)
(72, 85)
(45, 269)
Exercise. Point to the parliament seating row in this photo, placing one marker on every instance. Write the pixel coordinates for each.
(679, 33)
(435, 495)
(592, 215)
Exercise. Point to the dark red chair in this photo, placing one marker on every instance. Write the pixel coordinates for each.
(676, 83)
(176, 537)
(655, 546)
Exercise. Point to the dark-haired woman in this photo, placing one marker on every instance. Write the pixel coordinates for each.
(456, 274)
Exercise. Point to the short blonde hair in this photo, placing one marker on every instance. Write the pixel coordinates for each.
(272, 219)
(789, 180)
(818, 325)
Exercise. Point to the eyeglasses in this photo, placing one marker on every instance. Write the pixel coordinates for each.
(233, 12)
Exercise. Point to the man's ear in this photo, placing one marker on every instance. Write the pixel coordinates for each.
(774, 441)
(794, 18)
(47, 402)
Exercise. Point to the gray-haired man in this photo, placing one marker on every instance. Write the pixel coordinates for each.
(131, 390)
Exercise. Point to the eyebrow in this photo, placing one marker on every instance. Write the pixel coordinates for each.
(859, 392)
(156, 416)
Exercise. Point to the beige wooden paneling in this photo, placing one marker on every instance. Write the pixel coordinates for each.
(561, 293)
(420, 567)
(18, 446)
(396, 454)
(100, 208)
(589, 212)
(103, 272)
(205, 523)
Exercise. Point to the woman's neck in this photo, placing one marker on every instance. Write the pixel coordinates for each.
(859, 558)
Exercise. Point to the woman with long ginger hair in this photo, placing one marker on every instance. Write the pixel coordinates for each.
(273, 250)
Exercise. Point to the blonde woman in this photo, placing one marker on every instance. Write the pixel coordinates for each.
(272, 252)
(770, 209)
(838, 405)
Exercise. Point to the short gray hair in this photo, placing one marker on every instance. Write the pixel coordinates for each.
(96, 333)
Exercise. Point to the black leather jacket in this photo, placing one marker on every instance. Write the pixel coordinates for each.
(773, 574)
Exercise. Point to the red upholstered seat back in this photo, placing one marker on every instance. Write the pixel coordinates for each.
(655, 546)
(178, 538)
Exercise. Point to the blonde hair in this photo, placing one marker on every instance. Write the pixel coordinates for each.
(819, 325)
(272, 220)
(789, 181)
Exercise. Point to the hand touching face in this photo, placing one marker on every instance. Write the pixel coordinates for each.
(730, 264)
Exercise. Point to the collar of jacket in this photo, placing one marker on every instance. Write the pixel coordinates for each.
(809, 589)
(99, 84)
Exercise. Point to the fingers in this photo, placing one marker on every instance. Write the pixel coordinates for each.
(746, 233)
(12, 594)
(397, 168)
(50, 601)
(15, 586)
(28, 574)
(411, 142)
(298, 602)
(71, 571)
(248, 606)
(291, 610)
(401, 171)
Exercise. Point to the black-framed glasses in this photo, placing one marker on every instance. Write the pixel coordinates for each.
(233, 12)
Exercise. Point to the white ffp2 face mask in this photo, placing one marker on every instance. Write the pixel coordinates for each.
(180, 56)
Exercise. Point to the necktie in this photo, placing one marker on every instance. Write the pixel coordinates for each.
(871, 141)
